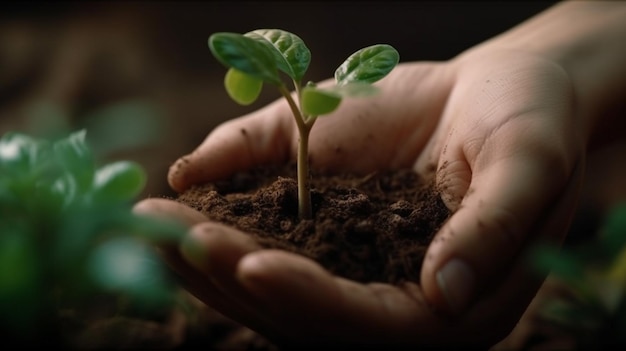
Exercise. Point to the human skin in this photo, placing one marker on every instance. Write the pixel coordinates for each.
(504, 128)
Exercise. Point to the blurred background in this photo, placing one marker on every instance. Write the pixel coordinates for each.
(145, 67)
(148, 61)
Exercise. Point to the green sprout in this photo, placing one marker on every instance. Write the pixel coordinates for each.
(261, 55)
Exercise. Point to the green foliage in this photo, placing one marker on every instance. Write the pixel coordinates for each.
(262, 53)
(291, 55)
(319, 102)
(595, 276)
(67, 232)
(260, 56)
(242, 88)
(367, 65)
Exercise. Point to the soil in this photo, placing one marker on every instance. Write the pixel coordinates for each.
(371, 228)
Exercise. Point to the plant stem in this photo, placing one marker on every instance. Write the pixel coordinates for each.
(304, 193)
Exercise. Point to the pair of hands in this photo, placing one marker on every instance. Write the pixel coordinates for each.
(500, 131)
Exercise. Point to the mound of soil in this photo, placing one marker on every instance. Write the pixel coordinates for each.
(372, 228)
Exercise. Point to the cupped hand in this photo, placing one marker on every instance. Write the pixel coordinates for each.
(499, 132)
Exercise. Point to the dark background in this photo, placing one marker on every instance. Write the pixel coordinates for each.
(78, 58)
(83, 56)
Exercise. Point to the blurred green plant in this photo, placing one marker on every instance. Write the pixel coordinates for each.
(594, 275)
(68, 235)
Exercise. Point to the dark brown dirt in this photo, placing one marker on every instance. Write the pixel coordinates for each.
(372, 228)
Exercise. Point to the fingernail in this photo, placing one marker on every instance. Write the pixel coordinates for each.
(457, 282)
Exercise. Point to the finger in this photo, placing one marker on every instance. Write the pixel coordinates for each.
(236, 145)
(493, 223)
(161, 208)
(214, 250)
(314, 307)
(194, 280)
(169, 209)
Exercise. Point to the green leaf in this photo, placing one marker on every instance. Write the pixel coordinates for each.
(317, 102)
(246, 55)
(119, 181)
(241, 87)
(290, 53)
(19, 153)
(75, 156)
(368, 65)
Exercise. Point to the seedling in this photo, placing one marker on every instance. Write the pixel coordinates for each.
(266, 55)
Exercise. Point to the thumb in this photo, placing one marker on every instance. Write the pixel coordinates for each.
(500, 214)
(261, 137)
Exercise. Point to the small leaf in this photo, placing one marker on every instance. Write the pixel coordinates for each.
(246, 55)
(75, 156)
(19, 153)
(368, 65)
(290, 53)
(119, 181)
(317, 102)
(241, 87)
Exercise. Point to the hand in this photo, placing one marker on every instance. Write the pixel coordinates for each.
(499, 132)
